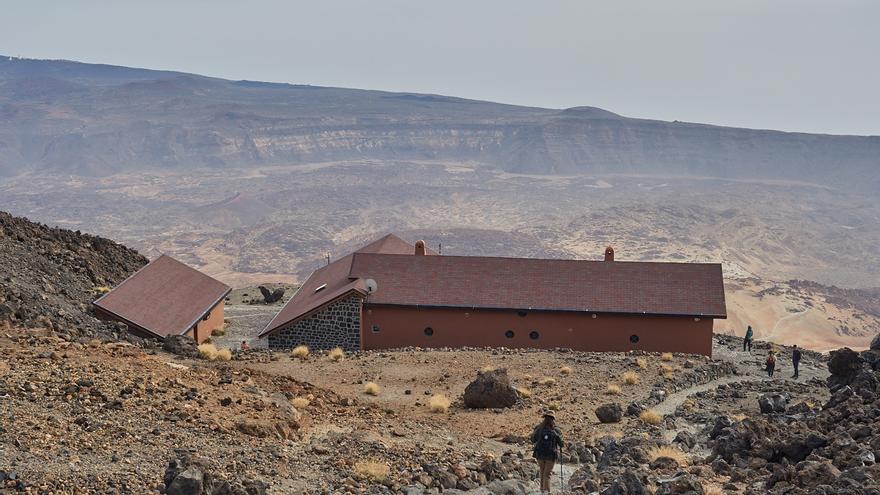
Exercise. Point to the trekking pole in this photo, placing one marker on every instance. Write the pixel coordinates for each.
(561, 473)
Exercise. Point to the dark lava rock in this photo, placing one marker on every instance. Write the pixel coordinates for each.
(685, 438)
(609, 413)
(684, 484)
(843, 364)
(875, 343)
(634, 409)
(773, 403)
(181, 345)
(490, 390)
(271, 296)
(627, 484)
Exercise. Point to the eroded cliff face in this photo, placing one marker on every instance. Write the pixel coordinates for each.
(97, 120)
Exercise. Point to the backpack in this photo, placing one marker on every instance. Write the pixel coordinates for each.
(545, 447)
(771, 360)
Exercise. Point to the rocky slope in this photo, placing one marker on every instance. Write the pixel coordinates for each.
(95, 120)
(49, 276)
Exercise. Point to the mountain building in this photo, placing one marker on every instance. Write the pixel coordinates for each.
(392, 294)
(166, 297)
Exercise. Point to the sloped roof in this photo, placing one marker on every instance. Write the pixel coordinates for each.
(166, 297)
(682, 289)
(691, 289)
(336, 281)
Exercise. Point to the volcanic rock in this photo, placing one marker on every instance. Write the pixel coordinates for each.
(490, 390)
(772, 403)
(609, 413)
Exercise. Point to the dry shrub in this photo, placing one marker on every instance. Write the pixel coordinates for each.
(612, 389)
(668, 375)
(668, 451)
(688, 405)
(372, 388)
(712, 490)
(300, 402)
(218, 332)
(631, 378)
(336, 354)
(738, 417)
(487, 368)
(553, 406)
(5, 326)
(565, 370)
(438, 404)
(547, 381)
(665, 368)
(666, 356)
(224, 355)
(373, 470)
(524, 392)
(300, 352)
(642, 363)
(651, 417)
(208, 351)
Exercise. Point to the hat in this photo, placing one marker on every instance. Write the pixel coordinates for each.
(549, 414)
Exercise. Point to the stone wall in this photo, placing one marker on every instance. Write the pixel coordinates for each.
(337, 325)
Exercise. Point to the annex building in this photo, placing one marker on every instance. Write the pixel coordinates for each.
(392, 294)
(166, 297)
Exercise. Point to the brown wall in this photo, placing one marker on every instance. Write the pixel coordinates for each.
(204, 328)
(405, 326)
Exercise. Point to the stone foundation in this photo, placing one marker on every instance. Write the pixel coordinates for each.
(337, 325)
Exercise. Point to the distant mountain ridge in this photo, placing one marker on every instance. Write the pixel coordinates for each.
(87, 119)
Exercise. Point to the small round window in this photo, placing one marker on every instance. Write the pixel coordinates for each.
(509, 334)
(634, 339)
(533, 335)
(375, 328)
(429, 331)
(521, 313)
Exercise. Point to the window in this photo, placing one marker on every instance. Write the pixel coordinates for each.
(375, 328)
(429, 331)
(509, 334)
(533, 335)
(321, 287)
(522, 313)
(207, 315)
(634, 339)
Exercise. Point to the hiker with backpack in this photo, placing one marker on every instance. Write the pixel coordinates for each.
(771, 364)
(547, 440)
(747, 340)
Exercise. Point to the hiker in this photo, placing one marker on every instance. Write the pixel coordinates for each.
(244, 346)
(771, 364)
(747, 341)
(796, 360)
(547, 439)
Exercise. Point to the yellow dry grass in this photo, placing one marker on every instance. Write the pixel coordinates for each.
(547, 381)
(553, 406)
(665, 368)
(631, 378)
(300, 402)
(300, 352)
(372, 388)
(668, 451)
(208, 351)
(666, 356)
(438, 404)
(524, 392)
(712, 490)
(612, 389)
(218, 332)
(651, 417)
(224, 355)
(565, 370)
(373, 470)
(487, 368)
(738, 417)
(642, 363)
(336, 354)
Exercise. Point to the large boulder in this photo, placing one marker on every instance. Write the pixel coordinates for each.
(772, 403)
(685, 484)
(875, 343)
(490, 390)
(609, 413)
(627, 484)
(843, 364)
(271, 296)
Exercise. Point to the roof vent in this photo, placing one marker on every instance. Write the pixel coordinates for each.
(609, 253)
(420, 248)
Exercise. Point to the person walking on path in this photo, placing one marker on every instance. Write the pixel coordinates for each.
(747, 340)
(547, 439)
(771, 364)
(795, 360)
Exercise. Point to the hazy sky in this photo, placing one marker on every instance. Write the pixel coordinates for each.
(801, 65)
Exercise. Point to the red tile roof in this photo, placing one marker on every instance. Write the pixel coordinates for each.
(166, 297)
(691, 289)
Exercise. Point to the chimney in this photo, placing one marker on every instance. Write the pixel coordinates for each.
(609, 253)
(420, 248)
